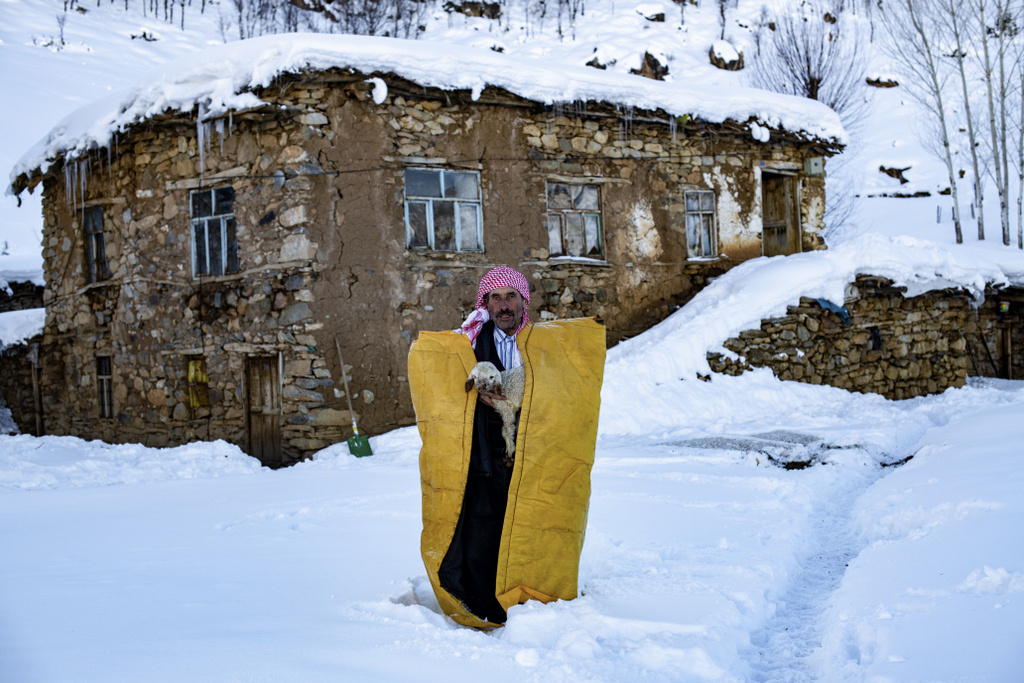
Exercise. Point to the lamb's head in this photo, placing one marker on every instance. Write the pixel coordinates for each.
(485, 376)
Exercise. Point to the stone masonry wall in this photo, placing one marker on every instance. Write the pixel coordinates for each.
(891, 345)
(16, 385)
(22, 296)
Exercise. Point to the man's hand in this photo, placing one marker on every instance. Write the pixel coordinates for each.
(489, 397)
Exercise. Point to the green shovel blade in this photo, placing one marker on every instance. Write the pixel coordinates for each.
(359, 446)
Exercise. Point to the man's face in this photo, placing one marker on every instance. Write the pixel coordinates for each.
(506, 308)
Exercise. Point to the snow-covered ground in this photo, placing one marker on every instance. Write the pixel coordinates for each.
(706, 559)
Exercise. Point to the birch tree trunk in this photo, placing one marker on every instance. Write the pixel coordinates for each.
(953, 10)
(998, 145)
(910, 24)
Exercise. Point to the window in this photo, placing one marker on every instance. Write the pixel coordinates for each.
(95, 245)
(442, 210)
(106, 386)
(198, 384)
(214, 240)
(574, 220)
(700, 223)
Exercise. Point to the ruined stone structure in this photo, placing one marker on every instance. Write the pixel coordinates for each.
(995, 335)
(201, 279)
(19, 386)
(19, 372)
(20, 295)
(878, 341)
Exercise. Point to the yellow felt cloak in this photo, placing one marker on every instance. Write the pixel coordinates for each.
(549, 492)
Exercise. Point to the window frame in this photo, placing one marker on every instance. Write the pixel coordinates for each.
(198, 384)
(97, 269)
(562, 215)
(431, 209)
(226, 261)
(105, 386)
(703, 250)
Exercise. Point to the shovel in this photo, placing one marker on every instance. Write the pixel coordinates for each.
(358, 445)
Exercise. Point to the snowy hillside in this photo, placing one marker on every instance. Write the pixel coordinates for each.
(107, 49)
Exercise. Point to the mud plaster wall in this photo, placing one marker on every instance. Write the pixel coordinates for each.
(894, 346)
(319, 207)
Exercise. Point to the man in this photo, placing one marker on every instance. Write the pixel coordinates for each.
(470, 565)
(497, 534)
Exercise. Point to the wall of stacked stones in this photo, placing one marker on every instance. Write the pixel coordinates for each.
(891, 345)
(22, 296)
(16, 385)
(319, 194)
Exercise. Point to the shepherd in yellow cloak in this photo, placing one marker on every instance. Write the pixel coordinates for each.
(500, 531)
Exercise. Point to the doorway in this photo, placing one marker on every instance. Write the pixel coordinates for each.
(263, 409)
(780, 220)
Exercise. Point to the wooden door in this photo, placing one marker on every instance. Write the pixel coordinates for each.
(263, 409)
(779, 218)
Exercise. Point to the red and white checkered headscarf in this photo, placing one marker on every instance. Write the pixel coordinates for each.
(502, 276)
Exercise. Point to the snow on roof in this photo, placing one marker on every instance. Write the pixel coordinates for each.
(19, 274)
(221, 78)
(17, 327)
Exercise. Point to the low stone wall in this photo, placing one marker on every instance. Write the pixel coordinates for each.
(22, 296)
(879, 342)
(16, 385)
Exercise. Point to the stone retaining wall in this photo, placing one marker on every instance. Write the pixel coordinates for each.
(890, 345)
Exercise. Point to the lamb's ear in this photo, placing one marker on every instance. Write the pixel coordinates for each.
(469, 383)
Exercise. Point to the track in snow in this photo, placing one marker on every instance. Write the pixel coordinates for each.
(783, 650)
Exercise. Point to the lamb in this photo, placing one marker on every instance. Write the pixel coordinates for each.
(510, 383)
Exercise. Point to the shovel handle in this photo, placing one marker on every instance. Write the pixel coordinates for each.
(344, 378)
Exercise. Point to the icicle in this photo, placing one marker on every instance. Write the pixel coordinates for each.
(202, 138)
(673, 126)
(219, 126)
(625, 123)
(83, 182)
(69, 186)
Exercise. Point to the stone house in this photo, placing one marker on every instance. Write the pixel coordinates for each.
(209, 261)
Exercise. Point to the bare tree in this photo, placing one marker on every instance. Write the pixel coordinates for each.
(994, 68)
(396, 18)
(952, 13)
(1020, 162)
(761, 24)
(61, 20)
(815, 50)
(723, 5)
(911, 25)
